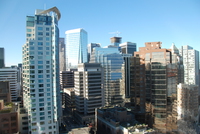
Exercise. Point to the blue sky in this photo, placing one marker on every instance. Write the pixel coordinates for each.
(138, 21)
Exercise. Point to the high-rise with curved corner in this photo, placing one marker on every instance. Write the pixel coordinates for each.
(41, 87)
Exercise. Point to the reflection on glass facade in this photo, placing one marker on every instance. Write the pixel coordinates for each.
(62, 54)
(2, 57)
(76, 47)
(111, 61)
(41, 86)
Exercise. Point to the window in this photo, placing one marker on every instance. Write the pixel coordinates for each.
(34, 124)
(47, 62)
(40, 81)
(40, 43)
(48, 80)
(40, 85)
(42, 118)
(40, 48)
(41, 99)
(42, 123)
(41, 95)
(40, 57)
(40, 62)
(40, 76)
(47, 66)
(48, 85)
(47, 43)
(28, 35)
(31, 43)
(40, 28)
(47, 29)
(49, 108)
(40, 67)
(40, 71)
(40, 53)
(48, 89)
(49, 112)
(31, 48)
(41, 90)
(28, 30)
(40, 38)
(41, 109)
(47, 38)
(48, 94)
(47, 34)
(41, 104)
(49, 99)
(40, 33)
(47, 48)
(47, 71)
(32, 62)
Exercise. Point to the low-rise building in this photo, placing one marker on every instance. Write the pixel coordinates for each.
(8, 118)
(117, 120)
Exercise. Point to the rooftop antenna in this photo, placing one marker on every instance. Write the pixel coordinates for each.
(116, 33)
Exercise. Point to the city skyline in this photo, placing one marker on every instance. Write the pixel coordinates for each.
(138, 22)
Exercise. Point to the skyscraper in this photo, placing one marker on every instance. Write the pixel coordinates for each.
(2, 64)
(41, 87)
(89, 91)
(76, 47)
(62, 55)
(154, 79)
(111, 60)
(191, 65)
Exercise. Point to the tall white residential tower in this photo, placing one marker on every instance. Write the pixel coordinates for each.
(41, 88)
(191, 65)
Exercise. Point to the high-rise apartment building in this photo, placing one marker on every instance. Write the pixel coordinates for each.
(2, 59)
(191, 65)
(89, 91)
(62, 54)
(76, 47)
(90, 49)
(111, 60)
(41, 85)
(11, 75)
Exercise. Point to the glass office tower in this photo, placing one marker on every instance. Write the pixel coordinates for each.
(41, 87)
(76, 47)
(111, 60)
